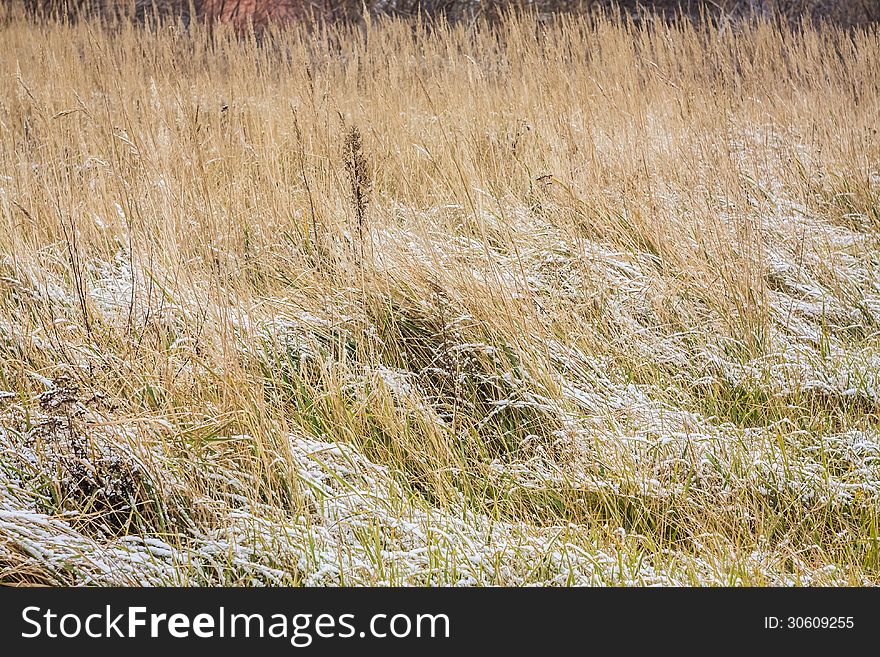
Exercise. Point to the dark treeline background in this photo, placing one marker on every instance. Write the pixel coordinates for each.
(842, 12)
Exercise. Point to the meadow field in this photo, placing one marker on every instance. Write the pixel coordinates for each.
(567, 300)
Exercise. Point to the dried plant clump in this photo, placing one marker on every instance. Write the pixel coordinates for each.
(358, 175)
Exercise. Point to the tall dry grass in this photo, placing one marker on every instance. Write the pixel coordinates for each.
(569, 302)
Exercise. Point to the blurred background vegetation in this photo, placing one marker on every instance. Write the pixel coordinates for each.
(841, 12)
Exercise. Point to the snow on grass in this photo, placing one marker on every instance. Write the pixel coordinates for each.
(361, 529)
(635, 343)
(620, 440)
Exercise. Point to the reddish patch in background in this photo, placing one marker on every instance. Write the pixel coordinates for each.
(259, 13)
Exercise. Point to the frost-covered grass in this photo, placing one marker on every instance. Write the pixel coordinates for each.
(574, 302)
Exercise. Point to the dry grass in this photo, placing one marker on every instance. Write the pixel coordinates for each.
(577, 303)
